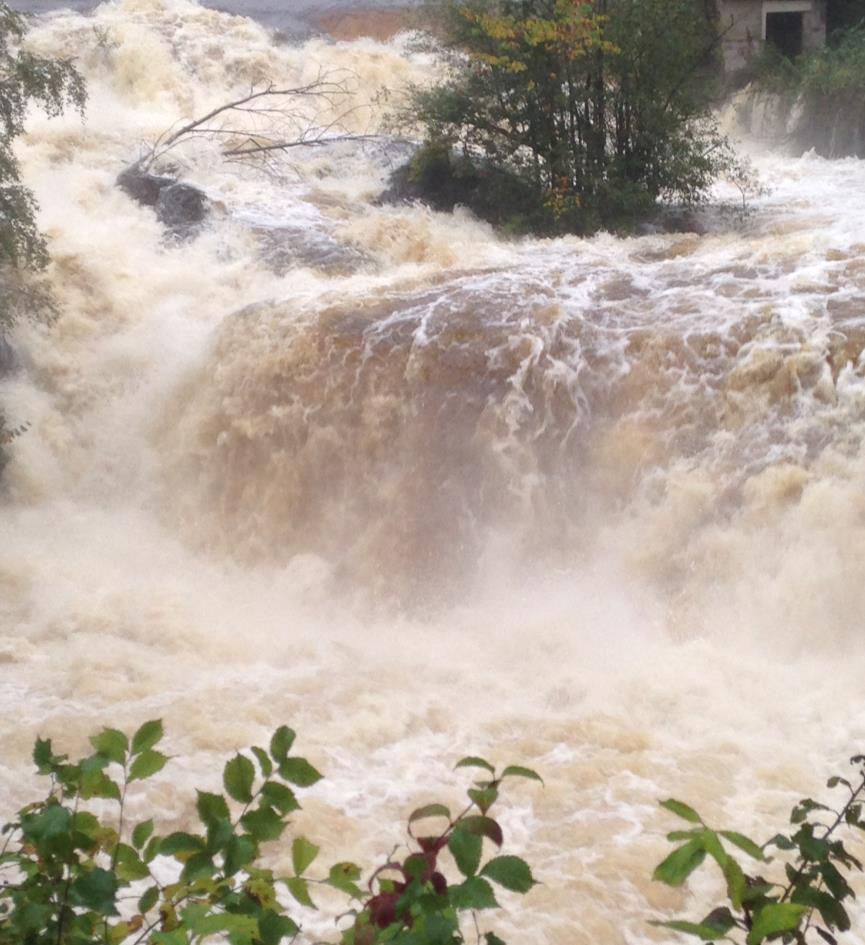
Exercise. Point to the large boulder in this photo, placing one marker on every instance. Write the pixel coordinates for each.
(180, 207)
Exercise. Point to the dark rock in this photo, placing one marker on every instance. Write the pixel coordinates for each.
(181, 206)
(8, 358)
(142, 187)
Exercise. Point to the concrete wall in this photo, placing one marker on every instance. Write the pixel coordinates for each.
(744, 22)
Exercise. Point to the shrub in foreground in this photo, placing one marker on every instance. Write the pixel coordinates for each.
(75, 871)
(798, 894)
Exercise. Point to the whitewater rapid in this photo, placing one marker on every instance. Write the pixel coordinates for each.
(418, 490)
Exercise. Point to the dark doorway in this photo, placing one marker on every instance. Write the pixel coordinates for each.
(784, 32)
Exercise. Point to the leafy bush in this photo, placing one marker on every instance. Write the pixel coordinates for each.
(601, 107)
(76, 872)
(804, 883)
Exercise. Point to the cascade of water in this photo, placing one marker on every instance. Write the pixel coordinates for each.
(594, 505)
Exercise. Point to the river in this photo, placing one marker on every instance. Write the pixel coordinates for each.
(419, 490)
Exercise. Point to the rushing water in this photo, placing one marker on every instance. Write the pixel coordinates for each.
(594, 505)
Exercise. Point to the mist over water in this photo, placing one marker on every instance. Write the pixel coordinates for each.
(594, 506)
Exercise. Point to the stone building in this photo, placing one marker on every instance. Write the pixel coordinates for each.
(792, 26)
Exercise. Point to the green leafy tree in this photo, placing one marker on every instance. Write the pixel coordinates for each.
(75, 871)
(600, 106)
(25, 79)
(793, 888)
(53, 85)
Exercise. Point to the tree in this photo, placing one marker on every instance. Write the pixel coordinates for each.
(53, 85)
(601, 107)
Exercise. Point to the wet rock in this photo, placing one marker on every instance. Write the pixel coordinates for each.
(283, 248)
(141, 186)
(180, 207)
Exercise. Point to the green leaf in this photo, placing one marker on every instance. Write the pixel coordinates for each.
(705, 932)
(773, 918)
(264, 761)
(676, 836)
(151, 851)
(43, 754)
(211, 808)
(781, 842)
(682, 810)
(832, 912)
(263, 824)
(95, 890)
(180, 843)
(238, 777)
(179, 936)
(95, 783)
(300, 890)
(743, 843)
(429, 810)
(281, 742)
(679, 865)
(511, 872)
(280, 797)
(147, 736)
(141, 833)
(344, 876)
(518, 771)
(299, 771)
(484, 798)
(273, 928)
(52, 821)
(303, 853)
(473, 893)
(199, 867)
(227, 922)
(466, 848)
(472, 761)
(736, 882)
(483, 827)
(148, 900)
(129, 864)
(147, 764)
(112, 743)
(240, 852)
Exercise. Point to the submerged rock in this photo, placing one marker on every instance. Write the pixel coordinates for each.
(180, 207)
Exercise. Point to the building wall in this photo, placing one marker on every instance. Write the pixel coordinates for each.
(743, 21)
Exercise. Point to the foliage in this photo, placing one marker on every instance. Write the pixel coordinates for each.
(602, 106)
(834, 73)
(25, 79)
(53, 85)
(412, 902)
(76, 872)
(802, 896)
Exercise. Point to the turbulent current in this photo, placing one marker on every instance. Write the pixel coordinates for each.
(416, 489)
